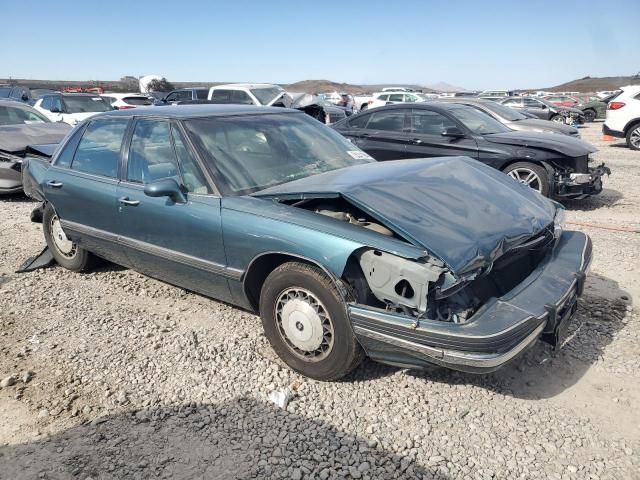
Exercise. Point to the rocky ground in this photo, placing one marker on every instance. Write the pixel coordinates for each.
(114, 375)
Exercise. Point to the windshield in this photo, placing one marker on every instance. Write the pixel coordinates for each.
(85, 104)
(18, 116)
(253, 152)
(266, 95)
(505, 112)
(478, 122)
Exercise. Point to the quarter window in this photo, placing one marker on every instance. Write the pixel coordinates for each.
(390, 120)
(427, 122)
(99, 150)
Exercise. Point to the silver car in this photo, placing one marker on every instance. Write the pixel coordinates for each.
(514, 119)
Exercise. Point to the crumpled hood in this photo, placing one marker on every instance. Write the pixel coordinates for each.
(459, 209)
(546, 125)
(572, 147)
(15, 138)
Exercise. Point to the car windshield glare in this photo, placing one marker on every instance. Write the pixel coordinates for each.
(505, 112)
(253, 152)
(478, 122)
(266, 95)
(86, 104)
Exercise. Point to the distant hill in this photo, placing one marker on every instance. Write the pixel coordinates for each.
(446, 87)
(317, 86)
(596, 84)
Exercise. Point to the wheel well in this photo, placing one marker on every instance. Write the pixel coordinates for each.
(630, 125)
(527, 160)
(261, 267)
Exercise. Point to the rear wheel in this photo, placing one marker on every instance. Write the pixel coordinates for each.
(364, 107)
(589, 115)
(305, 319)
(633, 137)
(531, 175)
(66, 252)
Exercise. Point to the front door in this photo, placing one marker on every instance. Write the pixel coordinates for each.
(177, 240)
(426, 138)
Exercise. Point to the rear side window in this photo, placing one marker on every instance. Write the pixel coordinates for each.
(202, 94)
(390, 120)
(396, 97)
(360, 121)
(99, 150)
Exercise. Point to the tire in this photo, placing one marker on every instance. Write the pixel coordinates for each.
(305, 319)
(66, 253)
(633, 137)
(523, 171)
(558, 119)
(590, 115)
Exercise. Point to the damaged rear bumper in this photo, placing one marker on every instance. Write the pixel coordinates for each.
(582, 185)
(540, 307)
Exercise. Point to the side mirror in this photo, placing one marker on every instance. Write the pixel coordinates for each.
(453, 132)
(24, 97)
(543, 106)
(166, 187)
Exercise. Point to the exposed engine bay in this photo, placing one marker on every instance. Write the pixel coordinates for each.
(425, 288)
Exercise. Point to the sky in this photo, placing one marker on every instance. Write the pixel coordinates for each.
(472, 44)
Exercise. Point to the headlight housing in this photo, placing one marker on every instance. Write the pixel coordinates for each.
(559, 221)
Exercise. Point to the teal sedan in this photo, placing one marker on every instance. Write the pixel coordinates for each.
(439, 261)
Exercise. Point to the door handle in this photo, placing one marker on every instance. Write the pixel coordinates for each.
(54, 184)
(127, 201)
(364, 135)
(416, 141)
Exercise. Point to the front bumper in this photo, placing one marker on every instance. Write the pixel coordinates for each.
(498, 332)
(581, 185)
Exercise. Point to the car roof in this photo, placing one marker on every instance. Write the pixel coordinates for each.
(435, 105)
(196, 110)
(246, 85)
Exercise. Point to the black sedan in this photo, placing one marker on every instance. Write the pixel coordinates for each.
(554, 165)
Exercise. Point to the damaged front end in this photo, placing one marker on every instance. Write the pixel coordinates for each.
(575, 179)
(418, 312)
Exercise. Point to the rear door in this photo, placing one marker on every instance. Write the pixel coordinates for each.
(384, 136)
(82, 184)
(426, 140)
(179, 242)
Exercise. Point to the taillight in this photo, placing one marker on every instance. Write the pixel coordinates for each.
(615, 105)
(125, 107)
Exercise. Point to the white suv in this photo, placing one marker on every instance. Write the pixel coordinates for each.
(389, 98)
(248, 94)
(623, 116)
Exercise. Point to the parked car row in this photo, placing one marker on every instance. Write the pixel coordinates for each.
(428, 261)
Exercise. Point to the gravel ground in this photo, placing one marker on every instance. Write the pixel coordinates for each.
(114, 375)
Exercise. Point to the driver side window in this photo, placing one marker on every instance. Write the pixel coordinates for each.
(151, 155)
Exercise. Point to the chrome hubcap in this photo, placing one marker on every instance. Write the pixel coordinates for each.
(635, 138)
(304, 324)
(65, 246)
(527, 177)
(559, 119)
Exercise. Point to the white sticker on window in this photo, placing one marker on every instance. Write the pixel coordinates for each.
(359, 155)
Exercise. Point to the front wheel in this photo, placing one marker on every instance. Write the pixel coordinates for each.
(558, 119)
(66, 252)
(305, 319)
(531, 175)
(633, 137)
